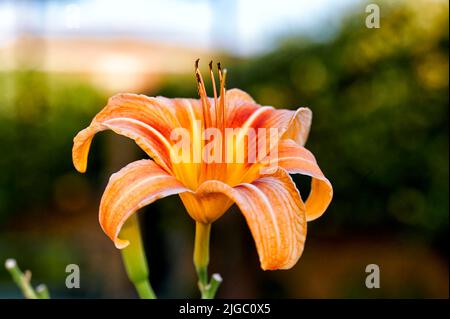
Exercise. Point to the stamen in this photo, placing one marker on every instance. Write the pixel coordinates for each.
(219, 109)
(222, 104)
(211, 73)
(222, 112)
(203, 95)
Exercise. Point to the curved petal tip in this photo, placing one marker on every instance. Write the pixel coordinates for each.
(121, 243)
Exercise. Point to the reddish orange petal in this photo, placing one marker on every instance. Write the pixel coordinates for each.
(234, 97)
(148, 121)
(298, 160)
(275, 214)
(299, 126)
(244, 113)
(134, 186)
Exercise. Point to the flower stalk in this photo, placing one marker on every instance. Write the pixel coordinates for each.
(21, 279)
(201, 260)
(135, 260)
(42, 292)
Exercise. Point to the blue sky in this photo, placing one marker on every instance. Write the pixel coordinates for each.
(241, 26)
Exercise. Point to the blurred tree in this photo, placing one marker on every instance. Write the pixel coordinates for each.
(380, 104)
(39, 117)
(380, 100)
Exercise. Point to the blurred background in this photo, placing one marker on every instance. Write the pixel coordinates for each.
(380, 134)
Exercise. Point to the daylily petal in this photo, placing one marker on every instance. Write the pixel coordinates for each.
(275, 213)
(205, 208)
(148, 121)
(298, 160)
(245, 114)
(133, 187)
(299, 126)
(243, 111)
(236, 96)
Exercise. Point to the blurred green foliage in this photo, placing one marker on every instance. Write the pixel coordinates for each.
(39, 116)
(380, 100)
(380, 104)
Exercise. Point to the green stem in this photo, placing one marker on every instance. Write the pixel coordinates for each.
(135, 260)
(201, 261)
(42, 292)
(201, 252)
(216, 280)
(22, 280)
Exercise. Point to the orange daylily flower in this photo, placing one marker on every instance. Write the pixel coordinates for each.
(270, 202)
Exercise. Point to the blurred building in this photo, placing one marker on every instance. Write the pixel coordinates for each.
(113, 64)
